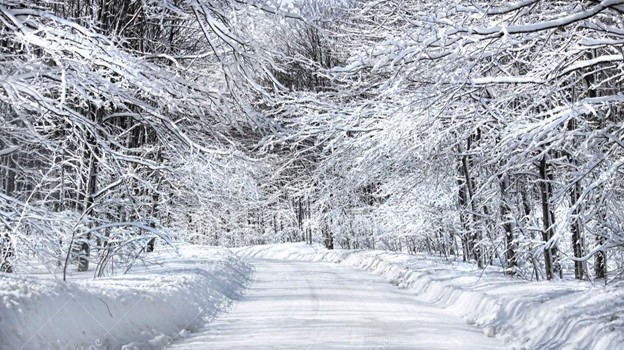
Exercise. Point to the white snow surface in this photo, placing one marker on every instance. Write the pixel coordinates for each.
(327, 301)
(325, 306)
(523, 315)
(145, 309)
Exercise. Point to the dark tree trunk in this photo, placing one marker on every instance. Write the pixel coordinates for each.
(91, 153)
(505, 212)
(309, 216)
(466, 248)
(328, 236)
(600, 259)
(548, 218)
(469, 193)
(7, 253)
(9, 185)
(300, 218)
(575, 228)
(155, 199)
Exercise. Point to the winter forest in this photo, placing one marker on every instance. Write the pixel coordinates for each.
(484, 131)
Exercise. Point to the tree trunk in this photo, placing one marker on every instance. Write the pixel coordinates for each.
(91, 154)
(505, 212)
(155, 199)
(328, 237)
(473, 233)
(466, 248)
(548, 218)
(575, 228)
(7, 252)
(9, 184)
(300, 218)
(600, 259)
(309, 216)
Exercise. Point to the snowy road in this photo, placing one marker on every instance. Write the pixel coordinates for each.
(313, 305)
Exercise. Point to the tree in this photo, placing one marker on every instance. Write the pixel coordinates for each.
(98, 112)
(481, 79)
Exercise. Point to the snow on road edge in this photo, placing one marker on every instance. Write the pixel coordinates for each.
(524, 315)
(145, 309)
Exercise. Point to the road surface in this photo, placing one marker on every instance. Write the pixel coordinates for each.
(314, 305)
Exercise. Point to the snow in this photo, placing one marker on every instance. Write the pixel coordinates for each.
(560, 22)
(144, 309)
(524, 315)
(319, 305)
(506, 80)
(8, 150)
(306, 297)
(592, 62)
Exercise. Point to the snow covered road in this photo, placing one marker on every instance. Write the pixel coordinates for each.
(317, 305)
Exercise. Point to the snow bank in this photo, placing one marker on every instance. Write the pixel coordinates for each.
(144, 309)
(525, 315)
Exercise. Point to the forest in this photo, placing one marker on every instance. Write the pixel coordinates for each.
(484, 131)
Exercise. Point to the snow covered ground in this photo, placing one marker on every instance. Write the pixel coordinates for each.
(325, 306)
(295, 304)
(524, 315)
(144, 309)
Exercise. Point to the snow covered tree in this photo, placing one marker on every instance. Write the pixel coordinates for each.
(519, 102)
(101, 101)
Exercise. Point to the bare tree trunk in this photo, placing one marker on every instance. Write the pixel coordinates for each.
(505, 211)
(309, 216)
(151, 244)
(300, 218)
(7, 253)
(9, 185)
(600, 258)
(83, 244)
(90, 154)
(575, 228)
(462, 206)
(155, 199)
(548, 218)
(473, 232)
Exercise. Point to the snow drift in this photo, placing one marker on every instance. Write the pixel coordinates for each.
(525, 315)
(144, 309)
